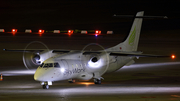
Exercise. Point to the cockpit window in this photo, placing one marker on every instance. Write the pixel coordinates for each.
(56, 65)
(42, 65)
(48, 65)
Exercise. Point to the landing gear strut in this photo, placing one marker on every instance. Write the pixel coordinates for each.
(71, 80)
(97, 78)
(97, 81)
(45, 85)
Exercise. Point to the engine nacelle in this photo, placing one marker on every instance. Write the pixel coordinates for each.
(33, 59)
(96, 63)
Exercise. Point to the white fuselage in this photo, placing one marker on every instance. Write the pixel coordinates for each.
(75, 66)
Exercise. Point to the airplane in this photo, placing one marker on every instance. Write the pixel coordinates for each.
(57, 65)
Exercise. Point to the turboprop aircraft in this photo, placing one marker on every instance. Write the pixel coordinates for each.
(57, 65)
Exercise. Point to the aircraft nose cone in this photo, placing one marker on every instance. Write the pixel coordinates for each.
(38, 76)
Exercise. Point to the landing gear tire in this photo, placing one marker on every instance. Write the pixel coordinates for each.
(45, 86)
(97, 81)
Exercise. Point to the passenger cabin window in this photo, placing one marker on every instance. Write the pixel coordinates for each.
(56, 65)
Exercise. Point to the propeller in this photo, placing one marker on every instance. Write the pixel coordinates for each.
(34, 54)
(94, 58)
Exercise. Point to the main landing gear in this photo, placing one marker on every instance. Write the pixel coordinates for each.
(71, 80)
(98, 80)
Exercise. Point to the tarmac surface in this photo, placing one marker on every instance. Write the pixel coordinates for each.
(149, 79)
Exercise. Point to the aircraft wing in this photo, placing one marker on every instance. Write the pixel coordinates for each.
(129, 54)
(37, 50)
(24, 50)
(137, 55)
(111, 53)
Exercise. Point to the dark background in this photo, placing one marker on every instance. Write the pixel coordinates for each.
(86, 14)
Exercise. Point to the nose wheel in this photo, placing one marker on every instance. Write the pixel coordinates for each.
(46, 86)
(71, 81)
(97, 81)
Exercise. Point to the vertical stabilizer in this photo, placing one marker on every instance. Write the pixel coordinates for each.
(131, 42)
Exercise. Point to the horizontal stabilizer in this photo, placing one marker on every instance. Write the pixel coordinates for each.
(132, 16)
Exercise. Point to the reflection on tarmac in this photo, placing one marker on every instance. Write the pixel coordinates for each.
(17, 72)
(24, 87)
(87, 90)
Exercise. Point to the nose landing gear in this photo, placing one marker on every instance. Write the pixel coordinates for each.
(45, 85)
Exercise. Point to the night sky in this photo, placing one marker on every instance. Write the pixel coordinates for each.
(85, 14)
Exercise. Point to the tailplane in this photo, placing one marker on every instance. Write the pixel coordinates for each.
(132, 40)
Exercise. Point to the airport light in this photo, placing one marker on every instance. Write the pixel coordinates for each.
(109, 32)
(28, 31)
(83, 32)
(2, 30)
(97, 32)
(14, 30)
(41, 31)
(70, 31)
(56, 31)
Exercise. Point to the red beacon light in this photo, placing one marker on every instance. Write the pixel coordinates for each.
(97, 32)
(70, 32)
(41, 31)
(14, 30)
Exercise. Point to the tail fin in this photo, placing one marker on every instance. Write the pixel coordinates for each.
(132, 40)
